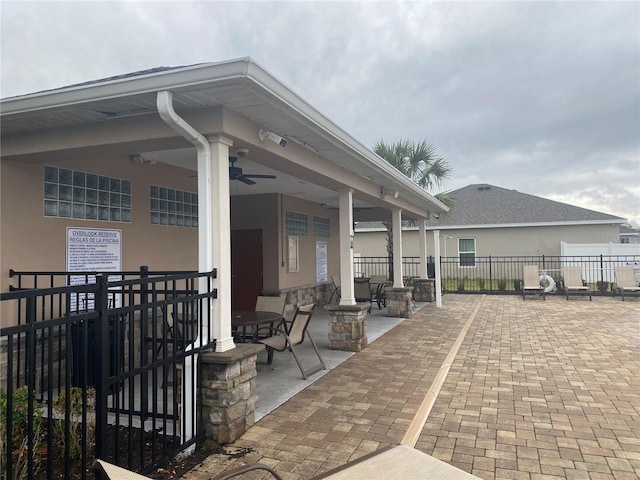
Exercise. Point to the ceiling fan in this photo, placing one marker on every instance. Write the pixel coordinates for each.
(235, 173)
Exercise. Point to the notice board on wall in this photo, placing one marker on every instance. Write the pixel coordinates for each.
(93, 250)
(321, 262)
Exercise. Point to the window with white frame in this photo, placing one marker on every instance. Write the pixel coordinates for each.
(467, 252)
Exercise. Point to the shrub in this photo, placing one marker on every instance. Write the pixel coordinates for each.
(20, 434)
(75, 420)
(502, 284)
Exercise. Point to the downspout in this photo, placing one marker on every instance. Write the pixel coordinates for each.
(164, 102)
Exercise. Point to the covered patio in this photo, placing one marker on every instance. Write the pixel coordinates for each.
(216, 168)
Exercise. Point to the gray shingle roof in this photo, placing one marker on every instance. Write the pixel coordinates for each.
(483, 204)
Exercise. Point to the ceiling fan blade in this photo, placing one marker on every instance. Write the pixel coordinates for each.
(248, 175)
(244, 179)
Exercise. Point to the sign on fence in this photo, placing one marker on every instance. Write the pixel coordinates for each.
(93, 250)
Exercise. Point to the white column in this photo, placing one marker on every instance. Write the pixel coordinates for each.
(396, 224)
(347, 296)
(422, 247)
(436, 259)
(218, 240)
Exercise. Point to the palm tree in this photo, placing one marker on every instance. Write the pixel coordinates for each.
(420, 162)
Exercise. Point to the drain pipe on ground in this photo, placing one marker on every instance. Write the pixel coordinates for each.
(164, 102)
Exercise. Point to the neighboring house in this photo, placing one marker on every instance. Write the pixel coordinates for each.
(488, 220)
(628, 234)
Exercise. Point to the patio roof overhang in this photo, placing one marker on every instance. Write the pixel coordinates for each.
(235, 98)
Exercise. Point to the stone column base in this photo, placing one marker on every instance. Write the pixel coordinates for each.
(348, 327)
(399, 302)
(228, 392)
(424, 289)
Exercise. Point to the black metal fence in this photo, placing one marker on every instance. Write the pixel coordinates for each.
(503, 274)
(99, 370)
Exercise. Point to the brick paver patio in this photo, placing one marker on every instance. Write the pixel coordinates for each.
(539, 390)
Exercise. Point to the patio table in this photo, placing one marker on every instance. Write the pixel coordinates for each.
(242, 320)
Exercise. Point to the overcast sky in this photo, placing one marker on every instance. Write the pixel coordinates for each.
(541, 97)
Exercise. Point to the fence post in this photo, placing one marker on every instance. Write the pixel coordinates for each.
(490, 275)
(602, 287)
(30, 380)
(102, 356)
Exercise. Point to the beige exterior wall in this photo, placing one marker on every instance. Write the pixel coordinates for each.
(29, 241)
(307, 245)
(493, 241)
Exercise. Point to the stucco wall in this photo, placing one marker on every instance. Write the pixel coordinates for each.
(307, 245)
(493, 241)
(31, 241)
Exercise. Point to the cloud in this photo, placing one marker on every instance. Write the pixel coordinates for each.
(542, 97)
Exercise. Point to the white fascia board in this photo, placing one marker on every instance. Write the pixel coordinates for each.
(174, 80)
(521, 225)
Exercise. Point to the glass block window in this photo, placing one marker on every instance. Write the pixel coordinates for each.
(87, 196)
(321, 226)
(296, 223)
(169, 206)
(467, 252)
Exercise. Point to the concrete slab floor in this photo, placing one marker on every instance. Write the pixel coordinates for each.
(280, 381)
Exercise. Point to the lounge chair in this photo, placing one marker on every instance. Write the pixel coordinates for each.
(397, 462)
(392, 462)
(113, 472)
(573, 283)
(289, 338)
(531, 282)
(626, 281)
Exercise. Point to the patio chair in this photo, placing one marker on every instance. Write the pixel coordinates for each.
(362, 291)
(531, 282)
(336, 290)
(626, 281)
(113, 472)
(573, 283)
(269, 304)
(378, 285)
(291, 337)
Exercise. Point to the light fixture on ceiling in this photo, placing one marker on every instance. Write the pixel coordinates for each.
(138, 158)
(242, 152)
(274, 137)
(385, 192)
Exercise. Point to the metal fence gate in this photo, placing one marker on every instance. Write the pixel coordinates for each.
(104, 369)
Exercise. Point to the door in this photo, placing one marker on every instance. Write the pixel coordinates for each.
(246, 268)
